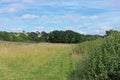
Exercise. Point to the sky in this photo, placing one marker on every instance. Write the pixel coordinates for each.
(83, 16)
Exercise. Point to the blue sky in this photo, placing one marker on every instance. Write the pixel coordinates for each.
(83, 16)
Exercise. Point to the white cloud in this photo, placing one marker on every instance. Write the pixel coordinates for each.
(101, 4)
(105, 28)
(11, 8)
(39, 28)
(82, 32)
(27, 1)
(3, 23)
(69, 27)
(71, 18)
(28, 16)
(16, 29)
(99, 32)
(84, 17)
(87, 24)
(89, 17)
(74, 18)
(6, 1)
(93, 17)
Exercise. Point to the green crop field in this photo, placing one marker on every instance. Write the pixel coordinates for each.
(44, 61)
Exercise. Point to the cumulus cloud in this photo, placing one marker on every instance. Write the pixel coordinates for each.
(99, 31)
(27, 1)
(84, 17)
(16, 29)
(71, 18)
(6, 1)
(93, 17)
(11, 8)
(39, 28)
(102, 29)
(87, 24)
(28, 16)
(89, 17)
(105, 28)
(2, 23)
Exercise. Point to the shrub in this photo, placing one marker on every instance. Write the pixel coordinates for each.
(101, 59)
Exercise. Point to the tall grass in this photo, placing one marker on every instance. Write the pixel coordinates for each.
(20, 61)
(100, 59)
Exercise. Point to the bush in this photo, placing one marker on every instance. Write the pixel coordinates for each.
(101, 59)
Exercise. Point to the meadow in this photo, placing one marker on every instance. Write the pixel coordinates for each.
(91, 60)
(31, 61)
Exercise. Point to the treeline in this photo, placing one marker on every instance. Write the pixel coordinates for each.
(100, 59)
(56, 36)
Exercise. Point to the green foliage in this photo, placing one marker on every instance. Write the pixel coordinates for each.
(5, 36)
(23, 37)
(111, 32)
(44, 37)
(69, 37)
(33, 36)
(101, 59)
(56, 36)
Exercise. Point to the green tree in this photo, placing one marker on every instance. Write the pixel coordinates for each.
(33, 36)
(22, 37)
(44, 37)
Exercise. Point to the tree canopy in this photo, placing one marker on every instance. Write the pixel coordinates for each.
(56, 36)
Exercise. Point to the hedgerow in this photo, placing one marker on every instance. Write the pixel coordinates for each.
(101, 59)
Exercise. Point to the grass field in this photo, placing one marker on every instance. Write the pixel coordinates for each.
(28, 61)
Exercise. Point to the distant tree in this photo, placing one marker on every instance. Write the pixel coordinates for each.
(14, 38)
(33, 36)
(23, 37)
(68, 36)
(55, 36)
(44, 37)
(72, 37)
(111, 32)
(23, 31)
(5, 36)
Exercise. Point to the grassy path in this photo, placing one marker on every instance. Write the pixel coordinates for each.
(34, 61)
